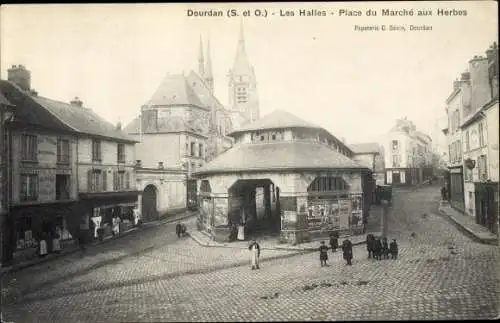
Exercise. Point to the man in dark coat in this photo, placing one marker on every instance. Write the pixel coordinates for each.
(323, 253)
(183, 229)
(370, 245)
(347, 250)
(334, 241)
(385, 248)
(378, 249)
(444, 193)
(393, 249)
(178, 229)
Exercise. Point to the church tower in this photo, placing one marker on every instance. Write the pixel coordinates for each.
(243, 96)
(201, 63)
(209, 78)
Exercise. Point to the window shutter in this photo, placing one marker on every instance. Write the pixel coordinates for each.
(89, 180)
(127, 180)
(104, 180)
(115, 181)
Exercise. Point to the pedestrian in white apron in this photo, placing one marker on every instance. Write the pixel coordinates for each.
(56, 246)
(43, 246)
(255, 254)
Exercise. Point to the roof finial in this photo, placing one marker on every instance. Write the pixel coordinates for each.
(201, 64)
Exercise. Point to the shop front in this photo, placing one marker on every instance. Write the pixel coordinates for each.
(33, 223)
(456, 189)
(107, 213)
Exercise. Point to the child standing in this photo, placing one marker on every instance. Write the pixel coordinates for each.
(323, 254)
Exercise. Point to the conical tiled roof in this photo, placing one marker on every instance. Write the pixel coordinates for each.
(279, 156)
(275, 120)
(174, 90)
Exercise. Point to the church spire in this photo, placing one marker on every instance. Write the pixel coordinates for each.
(241, 63)
(201, 64)
(209, 79)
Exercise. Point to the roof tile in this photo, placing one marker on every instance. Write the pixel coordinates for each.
(278, 156)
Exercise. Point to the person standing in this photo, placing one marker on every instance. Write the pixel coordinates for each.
(178, 229)
(334, 241)
(347, 251)
(323, 253)
(378, 249)
(370, 245)
(385, 248)
(393, 249)
(254, 248)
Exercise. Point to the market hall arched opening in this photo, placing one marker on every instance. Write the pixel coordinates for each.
(254, 204)
(149, 203)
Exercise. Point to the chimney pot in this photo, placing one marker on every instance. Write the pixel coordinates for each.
(138, 163)
(20, 76)
(76, 102)
(160, 165)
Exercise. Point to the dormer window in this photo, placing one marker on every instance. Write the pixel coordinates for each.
(262, 138)
(274, 136)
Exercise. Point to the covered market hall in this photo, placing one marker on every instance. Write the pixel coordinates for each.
(284, 176)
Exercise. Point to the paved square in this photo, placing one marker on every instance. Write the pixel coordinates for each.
(153, 276)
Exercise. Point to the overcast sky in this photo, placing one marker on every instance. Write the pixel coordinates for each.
(355, 84)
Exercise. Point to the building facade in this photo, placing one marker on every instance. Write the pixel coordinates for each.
(283, 175)
(371, 155)
(407, 154)
(184, 125)
(64, 163)
(474, 123)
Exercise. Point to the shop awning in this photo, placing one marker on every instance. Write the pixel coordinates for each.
(110, 198)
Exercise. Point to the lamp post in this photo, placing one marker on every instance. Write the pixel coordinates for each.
(6, 226)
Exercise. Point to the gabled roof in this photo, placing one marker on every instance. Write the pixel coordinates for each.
(365, 148)
(175, 90)
(29, 111)
(275, 120)
(81, 119)
(4, 102)
(202, 91)
(278, 156)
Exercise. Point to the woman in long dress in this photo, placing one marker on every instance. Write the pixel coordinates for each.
(255, 254)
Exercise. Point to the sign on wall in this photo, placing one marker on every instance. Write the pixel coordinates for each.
(220, 212)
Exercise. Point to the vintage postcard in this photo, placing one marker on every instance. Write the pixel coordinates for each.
(211, 162)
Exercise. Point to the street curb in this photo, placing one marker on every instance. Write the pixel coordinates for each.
(147, 226)
(296, 249)
(467, 231)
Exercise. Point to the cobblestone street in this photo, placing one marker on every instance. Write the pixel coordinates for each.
(153, 276)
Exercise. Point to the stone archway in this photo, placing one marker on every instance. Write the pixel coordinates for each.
(149, 209)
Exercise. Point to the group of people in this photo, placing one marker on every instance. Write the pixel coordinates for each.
(180, 229)
(379, 249)
(334, 243)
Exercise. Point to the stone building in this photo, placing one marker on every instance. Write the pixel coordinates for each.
(370, 155)
(282, 175)
(184, 125)
(474, 124)
(66, 166)
(408, 154)
(472, 99)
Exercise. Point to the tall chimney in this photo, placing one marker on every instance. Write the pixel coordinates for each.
(20, 76)
(76, 102)
(119, 125)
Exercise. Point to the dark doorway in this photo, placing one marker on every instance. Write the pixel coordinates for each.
(149, 210)
(396, 178)
(255, 205)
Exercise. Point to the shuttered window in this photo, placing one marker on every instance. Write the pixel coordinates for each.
(105, 181)
(127, 180)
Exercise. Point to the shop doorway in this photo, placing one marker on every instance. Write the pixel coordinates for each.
(149, 203)
(255, 205)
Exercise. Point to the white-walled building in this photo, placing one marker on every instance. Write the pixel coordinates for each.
(407, 153)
